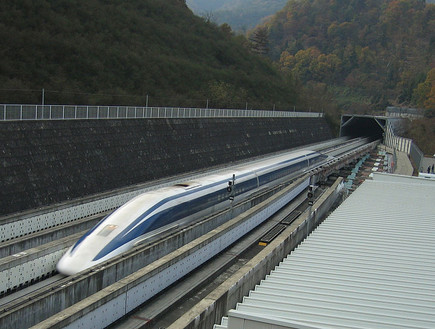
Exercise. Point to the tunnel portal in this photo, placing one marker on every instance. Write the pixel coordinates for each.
(354, 126)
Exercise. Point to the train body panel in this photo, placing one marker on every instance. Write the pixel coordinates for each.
(157, 210)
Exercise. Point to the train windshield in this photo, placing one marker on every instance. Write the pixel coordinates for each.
(107, 230)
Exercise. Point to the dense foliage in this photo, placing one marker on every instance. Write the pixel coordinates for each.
(422, 131)
(117, 52)
(370, 53)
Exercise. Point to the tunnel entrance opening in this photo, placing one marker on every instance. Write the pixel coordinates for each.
(354, 126)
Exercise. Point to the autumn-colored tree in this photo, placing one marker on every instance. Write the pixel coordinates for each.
(287, 60)
(381, 49)
(430, 101)
(425, 92)
(311, 64)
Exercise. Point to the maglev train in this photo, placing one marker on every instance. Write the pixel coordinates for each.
(159, 210)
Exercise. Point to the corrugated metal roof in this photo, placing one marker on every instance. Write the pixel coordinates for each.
(370, 264)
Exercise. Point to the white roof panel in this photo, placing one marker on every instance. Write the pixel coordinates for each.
(370, 264)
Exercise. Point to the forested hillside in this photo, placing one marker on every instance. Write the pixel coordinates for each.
(367, 53)
(241, 15)
(117, 52)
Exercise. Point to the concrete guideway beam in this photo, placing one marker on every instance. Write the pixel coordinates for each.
(32, 264)
(321, 173)
(12, 227)
(47, 236)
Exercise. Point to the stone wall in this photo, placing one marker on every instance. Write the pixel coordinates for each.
(45, 162)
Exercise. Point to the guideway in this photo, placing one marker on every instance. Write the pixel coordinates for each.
(128, 293)
(125, 294)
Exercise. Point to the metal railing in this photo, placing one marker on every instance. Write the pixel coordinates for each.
(416, 156)
(399, 143)
(404, 145)
(14, 112)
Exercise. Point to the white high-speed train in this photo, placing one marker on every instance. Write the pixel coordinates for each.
(158, 210)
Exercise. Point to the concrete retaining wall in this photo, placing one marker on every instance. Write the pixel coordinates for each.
(45, 162)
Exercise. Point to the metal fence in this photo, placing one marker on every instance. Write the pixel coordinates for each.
(404, 145)
(399, 143)
(9, 112)
(404, 112)
(416, 156)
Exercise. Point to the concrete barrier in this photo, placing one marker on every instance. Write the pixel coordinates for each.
(24, 267)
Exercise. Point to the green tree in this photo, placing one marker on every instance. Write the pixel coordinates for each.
(259, 41)
(226, 95)
(117, 52)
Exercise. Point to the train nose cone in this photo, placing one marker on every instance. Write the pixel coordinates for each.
(69, 265)
(66, 266)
